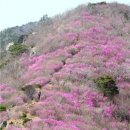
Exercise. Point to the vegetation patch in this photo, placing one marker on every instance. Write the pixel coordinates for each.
(2, 108)
(17, 49)
(4, 63)
(107, 86)
(122, 115)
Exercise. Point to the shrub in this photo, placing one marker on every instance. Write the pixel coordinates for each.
(107, 85)
(102, 3)
(94, 4)
(17, 49)
(2, 108)
(4, 63)
(90, 5)
(122, 115)
(126, 16)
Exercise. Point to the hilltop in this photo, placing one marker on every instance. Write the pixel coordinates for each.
(71, 72)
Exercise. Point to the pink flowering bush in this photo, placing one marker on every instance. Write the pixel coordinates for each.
(93, 99)
(1, 100)
(108, 111)
(71, 37)
(9, 96)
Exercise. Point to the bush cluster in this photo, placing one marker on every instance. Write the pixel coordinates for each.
(122, 115)
(17, 49)
(2, 108)
(4, 63)
(107, 86)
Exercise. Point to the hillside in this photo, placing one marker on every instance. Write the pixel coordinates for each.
(15, 34)
(75, 74)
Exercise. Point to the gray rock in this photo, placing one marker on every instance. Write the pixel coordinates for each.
(32, 91)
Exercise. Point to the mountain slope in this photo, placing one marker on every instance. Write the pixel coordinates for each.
(55, 89)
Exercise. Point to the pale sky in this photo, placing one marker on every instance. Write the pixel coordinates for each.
(18, 12)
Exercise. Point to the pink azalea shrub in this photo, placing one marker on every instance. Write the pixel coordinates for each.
(109, 110)
(9, 96)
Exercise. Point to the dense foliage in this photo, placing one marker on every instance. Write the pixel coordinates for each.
(2, 108)
(17, 49)
(107, 85)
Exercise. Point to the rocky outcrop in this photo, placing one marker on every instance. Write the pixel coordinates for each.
(8, 46)
(32, 91)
